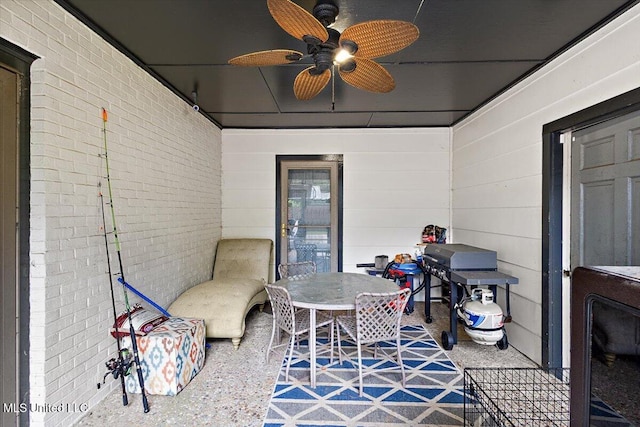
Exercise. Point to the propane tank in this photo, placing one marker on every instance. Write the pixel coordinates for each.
(482, 317)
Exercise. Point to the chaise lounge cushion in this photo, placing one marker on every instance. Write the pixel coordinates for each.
(222, 304)
(242, 268)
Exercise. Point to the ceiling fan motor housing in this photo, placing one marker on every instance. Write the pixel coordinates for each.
(326, 12)
(324, 53)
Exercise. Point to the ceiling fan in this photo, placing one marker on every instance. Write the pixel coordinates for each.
(351, 52)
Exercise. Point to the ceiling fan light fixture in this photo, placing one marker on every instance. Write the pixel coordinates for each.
(342, 56)
(348, 66)
(350, 46)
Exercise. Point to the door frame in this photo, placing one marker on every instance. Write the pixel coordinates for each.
(19, 60)
(552, 213)
(336, 158)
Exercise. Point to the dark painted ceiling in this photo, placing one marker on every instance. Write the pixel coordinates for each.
(468, 52)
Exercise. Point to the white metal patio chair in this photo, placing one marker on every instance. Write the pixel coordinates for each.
(377, 318)
(294, 322)
(297, 270)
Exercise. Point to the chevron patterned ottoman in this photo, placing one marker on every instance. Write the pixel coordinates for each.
(171, 355)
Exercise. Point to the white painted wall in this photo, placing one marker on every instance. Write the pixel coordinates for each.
(396, 181)
(165, 170)
(497, 160)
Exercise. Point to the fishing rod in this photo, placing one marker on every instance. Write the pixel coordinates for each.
(132, 333)
(121, 366)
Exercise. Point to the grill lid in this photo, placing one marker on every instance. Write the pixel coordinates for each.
(455, 256)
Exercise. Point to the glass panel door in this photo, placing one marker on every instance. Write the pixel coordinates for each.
(308, 202)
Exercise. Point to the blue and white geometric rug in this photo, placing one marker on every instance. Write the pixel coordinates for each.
(433, 395)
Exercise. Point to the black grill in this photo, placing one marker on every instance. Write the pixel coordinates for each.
(442, 258)
(461, 265)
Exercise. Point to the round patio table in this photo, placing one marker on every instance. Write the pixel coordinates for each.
(330, 291)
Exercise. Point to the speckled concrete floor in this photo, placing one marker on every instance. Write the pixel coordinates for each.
(234, 386)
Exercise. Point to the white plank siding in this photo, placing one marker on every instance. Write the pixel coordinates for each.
(396, 181)
(497, 160)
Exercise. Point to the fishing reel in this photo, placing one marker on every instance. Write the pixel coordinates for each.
(120, 367)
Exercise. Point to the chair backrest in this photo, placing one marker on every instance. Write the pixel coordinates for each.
(282, 307)
(297, 270)
(244, 259)
(306, 252)
(378, 315)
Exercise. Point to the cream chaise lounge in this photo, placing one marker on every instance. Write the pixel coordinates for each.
(241, 269)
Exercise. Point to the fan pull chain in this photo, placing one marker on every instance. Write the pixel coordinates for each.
(333, 88)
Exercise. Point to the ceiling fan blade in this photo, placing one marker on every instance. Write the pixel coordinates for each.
(297, 21)
(381, 37)
(267, 57)
(308, 85)
(369, 75)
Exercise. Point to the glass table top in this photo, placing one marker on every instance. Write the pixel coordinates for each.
(333, 291)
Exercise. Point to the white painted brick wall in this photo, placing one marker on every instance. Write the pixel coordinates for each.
(165, 170)
(497, 160)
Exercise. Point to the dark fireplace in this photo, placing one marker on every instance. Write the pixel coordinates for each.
(605, 342)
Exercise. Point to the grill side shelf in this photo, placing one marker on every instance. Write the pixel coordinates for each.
(476, 278)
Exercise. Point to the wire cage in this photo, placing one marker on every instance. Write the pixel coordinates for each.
(516, 397)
